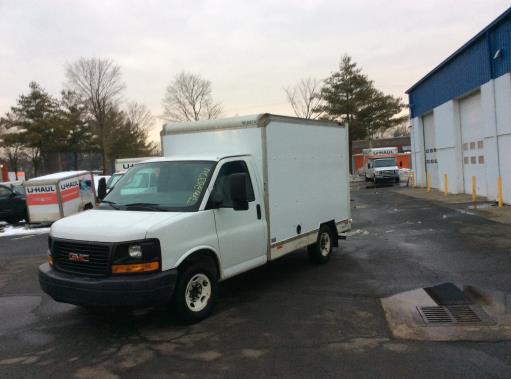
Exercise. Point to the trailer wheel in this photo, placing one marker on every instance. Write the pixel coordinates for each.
(196, 291)
(321, 251)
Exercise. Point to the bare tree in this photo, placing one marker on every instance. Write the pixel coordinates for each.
(98, 81)
(138, 114)
(305, 98)
(189, 98)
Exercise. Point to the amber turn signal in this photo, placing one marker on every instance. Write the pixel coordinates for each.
(134, 268)
(50, 260)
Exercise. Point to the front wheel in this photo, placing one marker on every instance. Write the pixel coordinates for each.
(196, 292)
(321, 251)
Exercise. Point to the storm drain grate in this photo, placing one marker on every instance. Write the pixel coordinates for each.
(453, 315)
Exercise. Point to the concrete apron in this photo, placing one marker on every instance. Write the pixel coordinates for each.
(405, 321)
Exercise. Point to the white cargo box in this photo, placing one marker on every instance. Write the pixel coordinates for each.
(124, 164)
(58, 195)
(302, 164)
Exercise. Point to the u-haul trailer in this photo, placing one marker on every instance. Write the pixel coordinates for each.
(51, 197)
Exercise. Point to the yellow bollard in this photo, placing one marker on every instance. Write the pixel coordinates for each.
(428, 183)
(446, 185)
(499, 189)
(474, 189)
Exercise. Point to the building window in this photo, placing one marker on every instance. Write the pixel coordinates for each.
(465, 146)
(473, 160)
(465, 160)
(472, 145)
(481, 159)
(480, 144)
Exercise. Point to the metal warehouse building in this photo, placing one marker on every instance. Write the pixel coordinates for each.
(461, 116)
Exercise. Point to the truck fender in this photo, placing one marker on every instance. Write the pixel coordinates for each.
(198, 249)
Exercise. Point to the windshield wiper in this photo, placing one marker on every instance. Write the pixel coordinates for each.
(111, 203)
(151, 206)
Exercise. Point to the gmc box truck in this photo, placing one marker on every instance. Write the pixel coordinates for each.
(229, 195)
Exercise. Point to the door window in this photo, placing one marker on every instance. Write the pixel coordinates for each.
(222, 192)
(5, 192)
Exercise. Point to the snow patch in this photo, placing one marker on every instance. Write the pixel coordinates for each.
(21, 230)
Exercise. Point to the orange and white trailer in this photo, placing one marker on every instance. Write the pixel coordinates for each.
(58, 195)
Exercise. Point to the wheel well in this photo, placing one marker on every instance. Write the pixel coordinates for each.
(202, 255)
(87, 206)
(333, 228)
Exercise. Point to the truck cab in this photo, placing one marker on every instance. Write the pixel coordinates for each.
(190, 211)
(382, 170)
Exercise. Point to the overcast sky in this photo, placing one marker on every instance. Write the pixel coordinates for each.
(249, 50)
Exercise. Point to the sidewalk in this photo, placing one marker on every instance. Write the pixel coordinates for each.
(482, 208)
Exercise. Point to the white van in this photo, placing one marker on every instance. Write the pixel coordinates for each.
(54, 196)
(230, 195)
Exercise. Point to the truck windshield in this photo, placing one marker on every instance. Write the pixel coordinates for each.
(113, 179)
(387, 162)
(161, 186)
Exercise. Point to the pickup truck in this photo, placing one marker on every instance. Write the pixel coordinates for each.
(227, 196)
(382, 170)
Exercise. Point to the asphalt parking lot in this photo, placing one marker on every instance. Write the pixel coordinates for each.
(287, 319)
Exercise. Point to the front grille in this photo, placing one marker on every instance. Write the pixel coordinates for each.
(388, 174)
(98, 256)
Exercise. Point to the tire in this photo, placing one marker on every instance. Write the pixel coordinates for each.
(321, 251)
(375, 181)
(196, 291)
(366, 178)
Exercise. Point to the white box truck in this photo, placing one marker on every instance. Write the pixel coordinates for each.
(123, 164)
(229, 195)
(51, 197)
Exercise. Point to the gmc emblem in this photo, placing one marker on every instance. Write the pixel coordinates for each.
(80, 258)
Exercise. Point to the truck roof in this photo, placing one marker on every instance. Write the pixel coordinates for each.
(55, 176)
(214, 158)
(257, 120)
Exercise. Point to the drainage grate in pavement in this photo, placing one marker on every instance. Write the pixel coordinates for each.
(454, 315)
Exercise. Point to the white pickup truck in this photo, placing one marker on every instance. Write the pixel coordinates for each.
(228, 196)
(382, 170)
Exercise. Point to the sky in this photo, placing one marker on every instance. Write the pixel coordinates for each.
(249, 50)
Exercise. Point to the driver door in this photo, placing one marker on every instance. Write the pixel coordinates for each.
(242, 234)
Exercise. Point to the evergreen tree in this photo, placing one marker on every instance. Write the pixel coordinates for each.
(350, 97)
(77, 136)
(130, 135)
(35, 119)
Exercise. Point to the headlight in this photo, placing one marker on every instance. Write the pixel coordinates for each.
(136, 257)
(135, 251)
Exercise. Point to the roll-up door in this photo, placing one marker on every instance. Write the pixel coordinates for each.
(472, 138)
(430, 149)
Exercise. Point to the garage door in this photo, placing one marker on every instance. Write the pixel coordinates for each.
(430, 149)
(472, 138)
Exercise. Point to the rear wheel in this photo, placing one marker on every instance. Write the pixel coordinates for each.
(321, 251)
(196, 291)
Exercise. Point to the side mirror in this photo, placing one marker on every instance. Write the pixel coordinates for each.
(238, 187)
(101, 188)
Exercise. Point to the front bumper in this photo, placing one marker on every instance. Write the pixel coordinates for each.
(116, 291)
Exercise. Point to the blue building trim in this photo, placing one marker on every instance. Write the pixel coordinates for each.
(467, 69)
